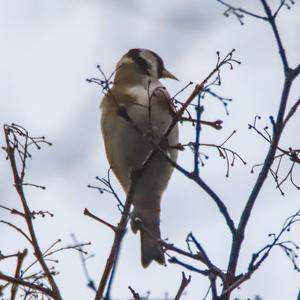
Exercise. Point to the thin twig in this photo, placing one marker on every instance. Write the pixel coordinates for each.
(17, 229)
(88, 213)
(227, 60)
(91, 283)
(215, 124)
(235, 11)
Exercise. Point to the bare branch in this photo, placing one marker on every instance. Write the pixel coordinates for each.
(12, 211)
(91, 283)
(259, 257)
(184, 283)
(12, 135)
(227, 60)
(215, 124)
(260, 180)
(17, 229)
(88, 213)
(14, 288)
(135, 295)
(33, 286)
(119, 234)
(281, 5)
(239, 12)
(271, 21)
(291, 112)
(175, 260)
(199, 111)
(291, 154)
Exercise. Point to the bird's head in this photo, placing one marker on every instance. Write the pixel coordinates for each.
(140, 64)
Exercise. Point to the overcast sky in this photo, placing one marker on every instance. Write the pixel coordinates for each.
(49, 48)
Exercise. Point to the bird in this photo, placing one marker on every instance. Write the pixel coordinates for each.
(137, 91)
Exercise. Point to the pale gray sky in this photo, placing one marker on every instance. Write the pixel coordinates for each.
(48, 48)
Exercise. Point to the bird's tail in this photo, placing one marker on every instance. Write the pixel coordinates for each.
(150, 247)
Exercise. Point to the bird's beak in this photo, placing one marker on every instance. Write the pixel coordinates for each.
(167, 74)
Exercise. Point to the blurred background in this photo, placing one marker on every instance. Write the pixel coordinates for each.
(49, 48)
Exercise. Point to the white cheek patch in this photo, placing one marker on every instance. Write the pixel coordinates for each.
(152, 61)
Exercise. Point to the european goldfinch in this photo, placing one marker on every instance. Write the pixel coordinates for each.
(137, 89)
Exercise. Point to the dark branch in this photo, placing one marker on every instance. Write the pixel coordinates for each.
(184, 283)
(239, 12)
(33, 286)
(13, 136)
(271, 21)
